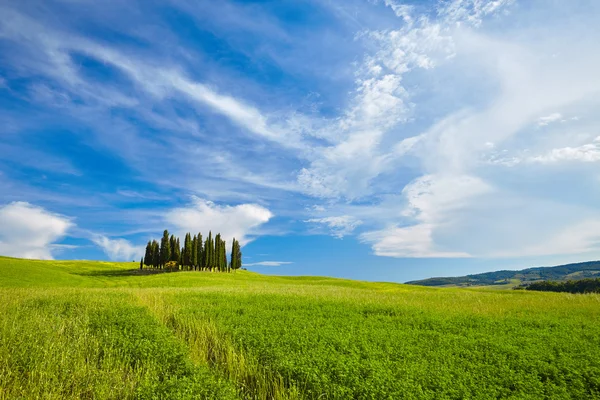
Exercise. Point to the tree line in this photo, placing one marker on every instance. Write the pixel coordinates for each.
(194, 255)
(571, 286)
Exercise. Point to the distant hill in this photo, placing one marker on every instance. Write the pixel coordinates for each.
(589, 269)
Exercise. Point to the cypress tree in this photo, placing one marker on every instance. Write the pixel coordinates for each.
(199, 251)
(215, 251)
(187, 250)
(217, 254)
(194, 254)
(239, 255)
(205, 255)
(236, 255)
(177, 251)
(165, 248)
(209, 251)
(155, 254)
(223, 256)
(142, 263)
(148, 255)
(184, 252)
(174, 252)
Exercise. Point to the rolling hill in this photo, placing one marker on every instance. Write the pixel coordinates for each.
(508, 279)
(101, 330)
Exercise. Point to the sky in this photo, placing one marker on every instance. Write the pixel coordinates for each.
(383, 140)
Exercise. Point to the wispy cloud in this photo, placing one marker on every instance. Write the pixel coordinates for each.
(339, 226)
(548, 119)
(119, 249)
(268, 263)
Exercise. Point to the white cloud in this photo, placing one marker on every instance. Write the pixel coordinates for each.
(431, 202)
(340, 226)
(380, 103)
(267, 263)
(544, 121)
(470, 11)
(411, 241)
(576, 238)
(586, 153)
(29, 231)
(403, 11)
(119, 249)
(239, 222)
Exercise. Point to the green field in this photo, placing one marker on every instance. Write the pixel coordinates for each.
(94, 330)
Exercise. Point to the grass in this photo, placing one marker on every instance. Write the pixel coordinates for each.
(82, 329)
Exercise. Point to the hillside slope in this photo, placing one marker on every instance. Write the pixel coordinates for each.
(589, 269)
(85, 329)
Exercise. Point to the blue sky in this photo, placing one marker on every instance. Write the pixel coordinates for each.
(380, 140)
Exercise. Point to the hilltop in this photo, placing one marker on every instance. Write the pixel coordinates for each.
(508, 279)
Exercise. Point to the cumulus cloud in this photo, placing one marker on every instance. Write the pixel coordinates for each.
(239, 222)
(30, 231)
(118, 249)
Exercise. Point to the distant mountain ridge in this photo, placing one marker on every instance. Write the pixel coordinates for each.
(588, 269)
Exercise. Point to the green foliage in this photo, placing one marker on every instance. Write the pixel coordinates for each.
(578, 286)
(194, 254)
(175, 248)
(148, 254)
(155, 256)
(236, 255)
(199, 250)
(172, 266)
(70, 345)
(165, 248)
(187, 251)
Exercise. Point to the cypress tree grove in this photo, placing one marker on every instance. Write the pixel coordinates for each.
(196, 254)
(165, 248)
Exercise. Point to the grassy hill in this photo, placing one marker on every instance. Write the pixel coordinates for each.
(508, 279)
(83, 329)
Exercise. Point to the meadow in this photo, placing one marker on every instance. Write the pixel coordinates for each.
(97, 330)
